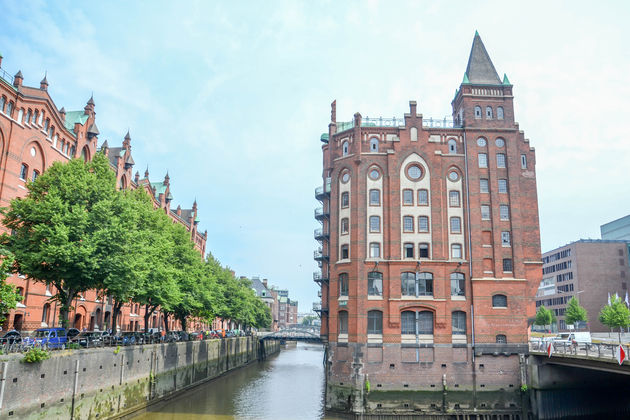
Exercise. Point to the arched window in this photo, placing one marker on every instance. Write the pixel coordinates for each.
(423, 224)
(458, 322)
(20, 291)
(499, 113)
(345, 252)
(345, 199)
(456, 225)
(453, 198)
(35, 174)
(72, 151)
(423, 197)
(375, 224)
(343, 284)
(458, 284)
(375, 283)
(489, 112)
(501, 339)
(20, 117)
(375, 197)
(375, 250)
(425, 322)
(373, 145)
(423, 250)
(408, 322)
(10, 108)
(499, 301)
(24, 172)
(408, 224)
(3, 100)
(452, 146)
(29, 116)
(40, 119)
(407, 197)
(477, 112)
(344, 226)
(47, 125)
(46, 313)
(343, 322)
(35, 117)
(344, 148)
(456, 251)
(375, 322)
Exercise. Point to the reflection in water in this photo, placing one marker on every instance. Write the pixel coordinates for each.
(287, 386)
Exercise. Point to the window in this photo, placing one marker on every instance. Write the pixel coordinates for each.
(423, 223)
(458, 284)
(344, 225)
(477, 112)
(35, 175)
(505, 239)
(46, 313)
(344, 148)
(408, 250)
(481, 142)
(483, 160)
(453, 176)
(345, 252)
(425, 322)
(375, 322)
(499, 142)
(504, 212)
(20, 117)
(414, 172)
(407, 197)
(483, 185)
(375, 197)
(3, 100)
(343, 284)
(408, 284)
(408, 322)
(423, 251)
(503, 189)
(47, 125)
(374, 174)
(416, 284)
(345, 199)
(456, 251)
(489, 112)
(343, 322)
(507, 265)
(501, 339)
(23, 172)
(499, 301)
(523, 162)
(375, 224)
(500, 160)
(9, 108)
(499, 113)
(375, 284)
(28, 116)
(35, 117)
(458, 323)
(452, 146)
(423, 197)
(375, 250)
(456, 225)
(407, 223)
(453, 198)
(485, 212)
(373, 144)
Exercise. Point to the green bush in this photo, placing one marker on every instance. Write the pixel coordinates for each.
(35, 355)
(73, 346)
(524, 388)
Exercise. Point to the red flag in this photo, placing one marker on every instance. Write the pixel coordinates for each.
(550, 349)
(620, 354)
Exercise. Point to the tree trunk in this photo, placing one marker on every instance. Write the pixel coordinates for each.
(147, 314)
(66, 303)
(183, 322)
(166, 321)
(117, 307)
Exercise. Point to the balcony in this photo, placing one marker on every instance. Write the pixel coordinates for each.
(320, 278)
(321, 213)
(319, 255)
(323, 192)
(321, 234)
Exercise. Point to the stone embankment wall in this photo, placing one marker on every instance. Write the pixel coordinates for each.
(110, 382)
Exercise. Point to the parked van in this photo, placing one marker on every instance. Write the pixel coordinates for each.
(54, 338)
(582, 337)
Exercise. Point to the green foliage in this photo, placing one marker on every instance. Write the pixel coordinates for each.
(367, 386)
(35, 355)
(524, 388)
(308, 319)
(73, 346)
(575, 312)
(9, 297)
(544, 316)
(615, 315)
(117, 350)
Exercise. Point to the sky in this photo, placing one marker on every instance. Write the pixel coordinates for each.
(231, 99)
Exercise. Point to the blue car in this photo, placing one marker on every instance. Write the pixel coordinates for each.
(53, 338)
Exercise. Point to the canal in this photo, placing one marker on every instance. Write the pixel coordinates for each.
(289, 385)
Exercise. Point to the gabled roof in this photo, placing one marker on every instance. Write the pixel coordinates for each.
(113, 154)
(160, 188)
(480, 69)
(73, 117)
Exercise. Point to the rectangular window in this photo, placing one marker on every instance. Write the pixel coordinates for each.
(408, 250)
(456, 251)
(500, 160)
(408, 224)
(375, 284)
(423, 223)
(425, 322)
(408, 197)
(423, 251)
(483, 185)
(423, 197)
(523, 162)
(375, 322)
(453, 198)
(375, 250)
(485, 212)
(507, 265)
(483, 160)
(505, 239)
(345, 199)
(345, 252)
(343, 322)
(504, 212)
(503, 188)
(375, 224)
(456, 225)
(458, 284)
(343, 285)
(375, 197)
(23, 172)
(344, 226)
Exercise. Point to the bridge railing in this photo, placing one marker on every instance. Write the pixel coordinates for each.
(604, 351)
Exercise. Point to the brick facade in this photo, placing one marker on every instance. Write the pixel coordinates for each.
(408, 332)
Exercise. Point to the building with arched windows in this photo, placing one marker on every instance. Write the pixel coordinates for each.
(429, 254)
(34, 133)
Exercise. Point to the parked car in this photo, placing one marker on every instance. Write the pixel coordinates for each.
(581, 337)
(91, 338)
(11, 337)
(171, 337)
(54, 338)
(72, 332)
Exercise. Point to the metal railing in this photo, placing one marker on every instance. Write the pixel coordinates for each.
(446, 122)
(437, 123)
(318, 277)
(6, 76)
(320, 233)
(320, 212)
(604, 351)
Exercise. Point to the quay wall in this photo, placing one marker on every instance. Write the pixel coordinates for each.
(113, 382)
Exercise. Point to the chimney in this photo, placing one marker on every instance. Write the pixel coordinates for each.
(264, 282)
(412, 108)
(62, 113)
(18, 79)
(0, 60)
(136, 178)
(179, 211)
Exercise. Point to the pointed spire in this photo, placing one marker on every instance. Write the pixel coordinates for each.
(136, 177)
(19, 74)
(43, 85)
(127, 136)
(17, 79)
(167, 179)
(480, 69)
(146, 173)
(506, 81)
(91, 100)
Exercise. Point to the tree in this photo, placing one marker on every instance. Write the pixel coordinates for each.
(308, 319)
(57, 228)
(615, 315)
(575, 313)
(544, 316)
(9, 297)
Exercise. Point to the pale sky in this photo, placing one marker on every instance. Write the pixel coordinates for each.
(232, 97)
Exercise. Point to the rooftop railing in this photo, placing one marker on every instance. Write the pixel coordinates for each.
(394, 122)
(6, 76)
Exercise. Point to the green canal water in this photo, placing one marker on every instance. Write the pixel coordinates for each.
(289, 385)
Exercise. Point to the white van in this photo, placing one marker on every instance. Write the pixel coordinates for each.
(582, 337)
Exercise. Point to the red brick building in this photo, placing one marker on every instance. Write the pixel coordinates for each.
(430, 252)
(34, 133)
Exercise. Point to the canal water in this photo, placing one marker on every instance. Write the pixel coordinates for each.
(289, 385)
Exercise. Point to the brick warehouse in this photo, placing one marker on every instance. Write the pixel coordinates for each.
(34, 133)
(430, 254)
